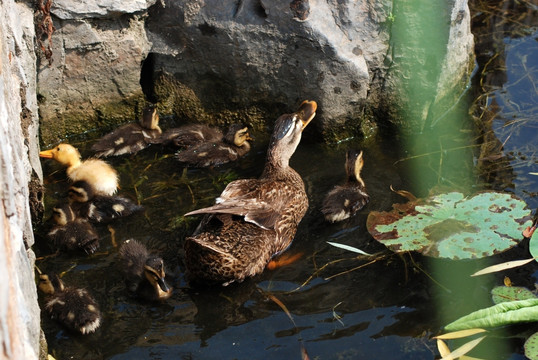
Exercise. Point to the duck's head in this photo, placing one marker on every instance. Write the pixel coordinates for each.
(287, 132)
(154, 272)
(238, 135)
(65, 154)
(62, 214)
(150, 118)
(354, 164)
(81, 191)
(50, 283)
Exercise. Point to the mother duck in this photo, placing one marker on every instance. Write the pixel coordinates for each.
(252, 219)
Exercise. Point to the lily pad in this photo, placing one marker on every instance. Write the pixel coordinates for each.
(453, 226)
(531, 347)
(501, 294)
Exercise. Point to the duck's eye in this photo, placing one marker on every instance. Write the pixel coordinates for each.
(58, 148)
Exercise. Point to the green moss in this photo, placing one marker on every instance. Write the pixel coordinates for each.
(89, 117)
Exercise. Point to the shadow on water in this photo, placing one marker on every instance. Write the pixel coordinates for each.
(343, 306)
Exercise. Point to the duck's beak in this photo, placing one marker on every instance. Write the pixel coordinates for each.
(163, 285)
(307, 111)
(47, 154)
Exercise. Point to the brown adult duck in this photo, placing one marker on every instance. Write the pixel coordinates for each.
(98, 173)
(253, 219)
(230, 148)
(99, 208)
(144, 273)
(70, 232)
(343, 201)
(130, 138)
(74, 308)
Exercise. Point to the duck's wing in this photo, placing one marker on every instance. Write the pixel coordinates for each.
(128, 139)
(253, 199)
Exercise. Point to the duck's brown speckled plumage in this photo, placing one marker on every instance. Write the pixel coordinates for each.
(99, 208)
(75, 308)
(130, 138)
(70, 232)
(190, 135)
(144, 273)
(253, 219)
(343, 201)
(231, 147)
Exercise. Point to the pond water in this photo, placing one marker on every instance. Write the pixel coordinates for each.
(335, 305)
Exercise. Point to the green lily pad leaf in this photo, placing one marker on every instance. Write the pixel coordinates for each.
(501, 294)
(533, 247)
(506, 313)
(531, 347)
(453, 226)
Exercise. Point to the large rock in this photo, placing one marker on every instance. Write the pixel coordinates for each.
(93, 78)
(235, 55)
(19, 311)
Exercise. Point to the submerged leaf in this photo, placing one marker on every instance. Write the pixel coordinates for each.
(349, 248)
(505, 313)
(510, 293)
(502, 266)
(443, 348)
(464, 349)
(459, 334)
(452, 226)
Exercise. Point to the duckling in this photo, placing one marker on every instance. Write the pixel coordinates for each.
(72, 233)
(96, 172)
(252, 219)
(190, 135)
(343, 201)
(99, 208)
(234, 145)
(144, 273)
(75, 308)
(130, 138)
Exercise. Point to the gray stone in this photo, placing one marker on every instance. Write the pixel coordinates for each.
(342, 53)
(19, 311)
(76, 10)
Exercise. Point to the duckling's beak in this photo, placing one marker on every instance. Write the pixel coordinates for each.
(307, 111)
(47, 154)
(163, 285)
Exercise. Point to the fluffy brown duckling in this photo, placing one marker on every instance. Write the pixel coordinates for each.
(99, 208)
(72, 233)
(234, 145)
(96, 172)
(130, 138)
(144, 273)
(190, 135)
(253, 219)
(74, 308)
(343, 201)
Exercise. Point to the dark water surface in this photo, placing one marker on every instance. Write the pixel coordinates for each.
(342, 307)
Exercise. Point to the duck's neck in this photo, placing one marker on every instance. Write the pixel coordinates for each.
(72, 165)
(275, 165)
(356, 178)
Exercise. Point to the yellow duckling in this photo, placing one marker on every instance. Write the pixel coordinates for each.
(75, 308)
(343, 201)
(96, 172)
